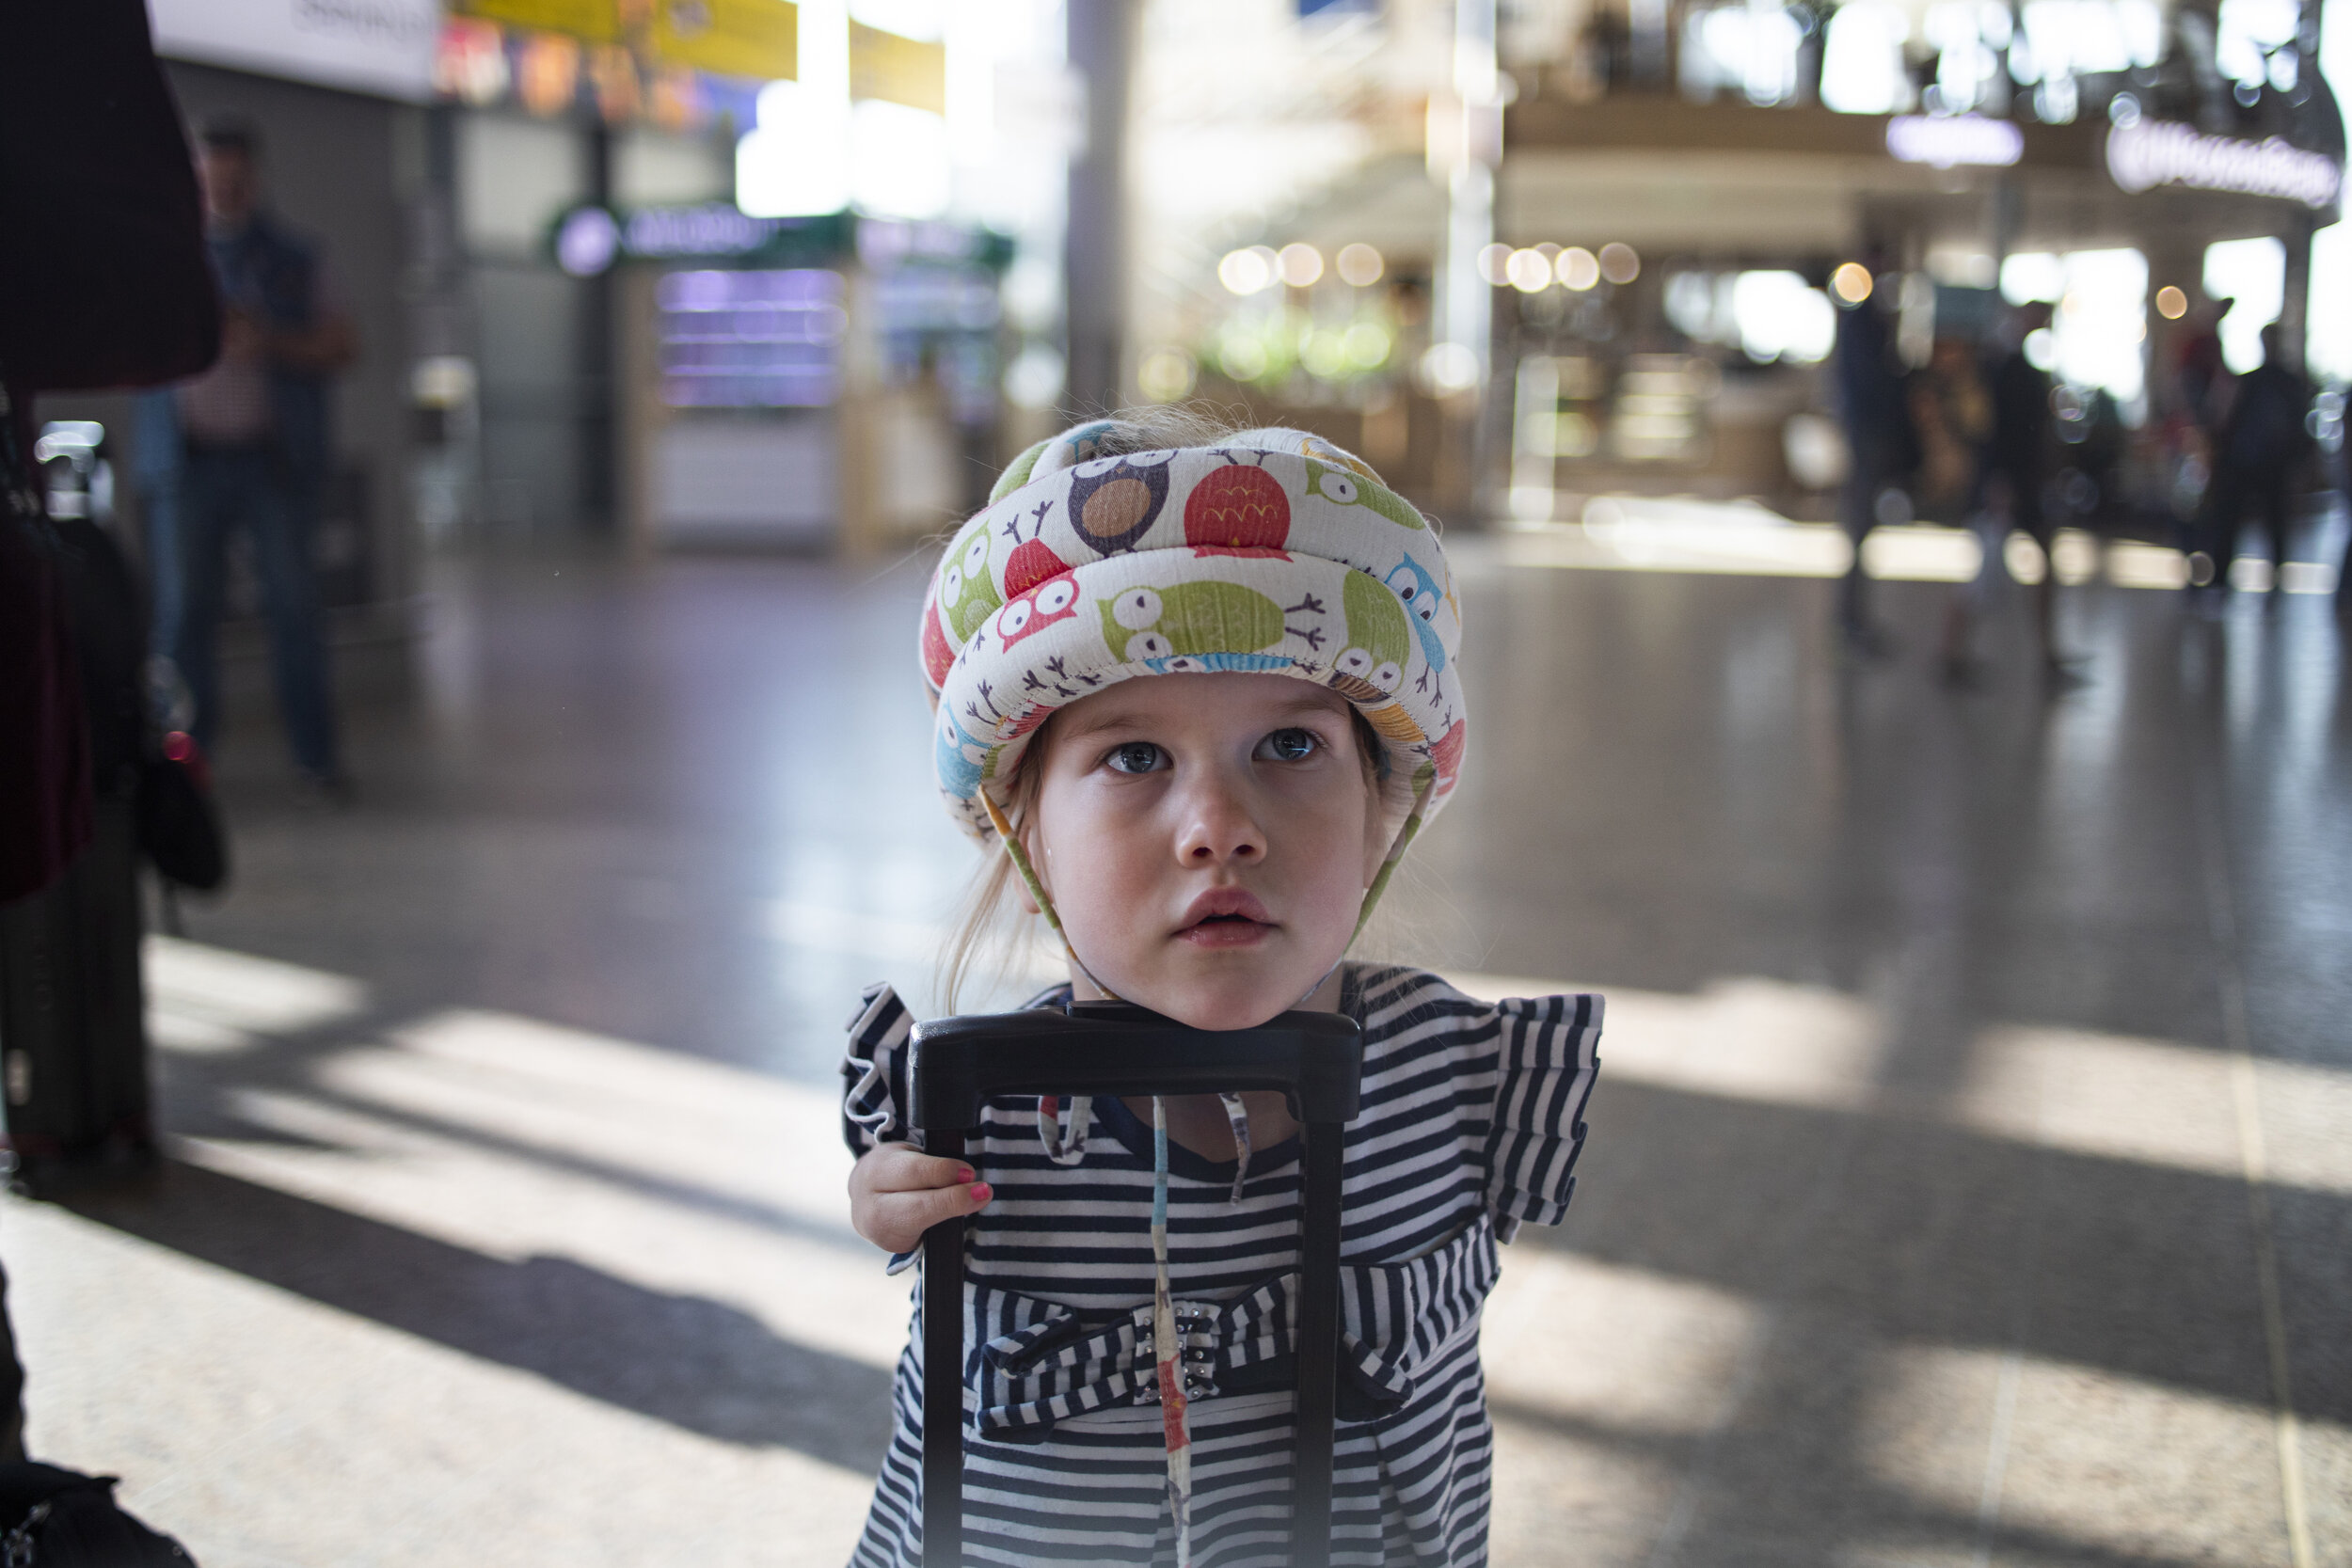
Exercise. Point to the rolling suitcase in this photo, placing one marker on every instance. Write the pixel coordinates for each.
(73, 1048)
(74, 1057)
(956, 1064)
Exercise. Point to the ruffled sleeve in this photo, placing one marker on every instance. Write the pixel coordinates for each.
(1543, 1077)
(874, 1072)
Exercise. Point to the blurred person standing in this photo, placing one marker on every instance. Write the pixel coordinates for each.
(246, 445)
(2014, 473)
(1951, 408)
(1879, 437)
(2200, 379)
(2257, 454)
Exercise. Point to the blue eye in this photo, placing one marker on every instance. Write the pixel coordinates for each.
(1136, 756)
(1290, 746)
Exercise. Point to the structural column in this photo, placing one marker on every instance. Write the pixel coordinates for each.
(599, 452)
(1102, 40)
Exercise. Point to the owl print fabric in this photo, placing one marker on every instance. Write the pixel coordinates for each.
(1272, 551)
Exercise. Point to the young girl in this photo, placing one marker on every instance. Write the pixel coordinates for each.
(1207, 842)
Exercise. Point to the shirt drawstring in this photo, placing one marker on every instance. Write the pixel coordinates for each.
(1168, 1348)
(1238, 1114)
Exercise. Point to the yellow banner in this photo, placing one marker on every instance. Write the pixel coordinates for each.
(897, 70)
(730, 37)
(595, 20)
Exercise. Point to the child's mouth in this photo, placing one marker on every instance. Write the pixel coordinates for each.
(1225, 930)
(1226, 918)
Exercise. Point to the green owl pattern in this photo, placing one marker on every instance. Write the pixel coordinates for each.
(1190, 618)
(967, 594)
(1378, 638)
(1350, 489)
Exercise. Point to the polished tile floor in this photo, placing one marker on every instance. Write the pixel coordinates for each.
(1970, 1183)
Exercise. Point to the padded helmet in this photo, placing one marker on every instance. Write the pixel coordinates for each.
(1267, 550)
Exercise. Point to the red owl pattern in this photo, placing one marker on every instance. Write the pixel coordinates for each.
(1237, 507)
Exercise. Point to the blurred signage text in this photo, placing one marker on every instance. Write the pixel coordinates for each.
(2146, 153)
(373, 46)
(587, 240)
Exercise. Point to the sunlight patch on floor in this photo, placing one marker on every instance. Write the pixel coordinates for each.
(209, 998)
(1689, 534)
(2157, 1101)
(1614, 1346)
(267, 1430)
(2132, 1470)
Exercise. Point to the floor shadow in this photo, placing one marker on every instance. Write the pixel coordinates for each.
(699, 1365)
(202, 1096)
(1933, 1234)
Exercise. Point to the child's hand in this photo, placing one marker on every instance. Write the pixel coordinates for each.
(897, 1192)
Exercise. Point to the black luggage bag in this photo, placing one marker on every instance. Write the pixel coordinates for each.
(73, 1057)
(1316, 1060)
(73, 1031)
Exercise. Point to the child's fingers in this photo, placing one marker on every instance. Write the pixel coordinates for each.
(908, 1170)
(900, 1218)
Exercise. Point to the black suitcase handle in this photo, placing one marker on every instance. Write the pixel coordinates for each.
(955, 1064)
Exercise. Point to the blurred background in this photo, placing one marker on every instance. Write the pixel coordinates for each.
(1971, 1178)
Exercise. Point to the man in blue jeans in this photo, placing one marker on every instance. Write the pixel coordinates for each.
(246, 444)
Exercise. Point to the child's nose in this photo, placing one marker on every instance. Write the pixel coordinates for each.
(1221, 829)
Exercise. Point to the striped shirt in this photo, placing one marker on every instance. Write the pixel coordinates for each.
(1472, 1123)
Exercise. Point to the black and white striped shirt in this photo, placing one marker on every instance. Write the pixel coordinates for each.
(1472, 1123)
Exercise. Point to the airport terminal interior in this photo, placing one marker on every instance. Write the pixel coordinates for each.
(505, 1209)
(1969, 1181)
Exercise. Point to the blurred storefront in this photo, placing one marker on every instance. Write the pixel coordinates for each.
(703, 279)
(1672, 186)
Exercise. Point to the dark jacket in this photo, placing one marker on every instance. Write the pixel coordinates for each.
(1870, 394)
(2020, 414)
(103, 282)
(2266, 425)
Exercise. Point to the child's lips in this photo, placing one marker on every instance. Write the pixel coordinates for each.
(1226, 918)
(1229, 932)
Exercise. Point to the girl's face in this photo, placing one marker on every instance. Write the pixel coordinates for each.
(1207, 841)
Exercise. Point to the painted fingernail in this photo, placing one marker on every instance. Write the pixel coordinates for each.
(980, 1192)
(963, 1173)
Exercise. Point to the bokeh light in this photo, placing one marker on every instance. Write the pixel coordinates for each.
(1165, 374)
(1369, 345)
(1528, 271)
(1851, 282)
(1619, 264)
(1246, 272)
(1299, 263)
(1449, 368)
(1359, 265)
(1491, 262)
(1579, 269)
(1325, 354)
(2171, 304)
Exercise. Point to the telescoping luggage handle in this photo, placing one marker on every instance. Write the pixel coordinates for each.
(1317, 1060)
